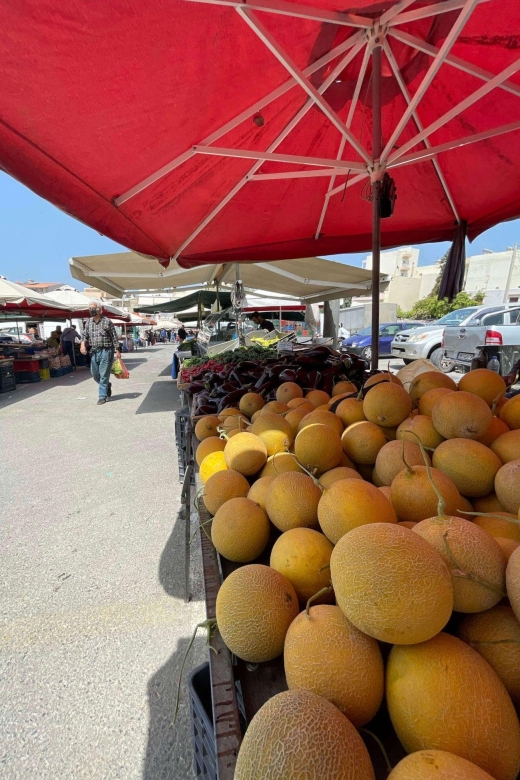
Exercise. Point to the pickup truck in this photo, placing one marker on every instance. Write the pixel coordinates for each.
(471, 346)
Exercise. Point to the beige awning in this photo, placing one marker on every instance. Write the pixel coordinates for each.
(311, 279)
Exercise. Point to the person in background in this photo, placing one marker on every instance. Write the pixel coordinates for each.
(53, 340)
(100, 335)
(262, 323)
(343, 332)
(181, 336)
(59, 334)
(69, 337)
(173, 336)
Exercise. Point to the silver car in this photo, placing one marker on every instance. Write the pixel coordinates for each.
(425, 342)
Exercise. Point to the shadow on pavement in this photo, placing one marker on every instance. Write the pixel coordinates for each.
(166, 371)
(122, 396)
(24, 391)
(161, 397)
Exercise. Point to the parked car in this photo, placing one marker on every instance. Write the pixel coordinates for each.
(472, 345)
(22, 338)
(425, 342)
(361, 342)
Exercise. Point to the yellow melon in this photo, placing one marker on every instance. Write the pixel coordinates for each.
(387, 404)
(488, 503)
(298, 735)
(317, 397)
(251, 403)
(275, 407)
(389, 461)
(436, 765)
(510, 412)
(350, 503)
(207, 446)
(274, 431)
(430, 398)
(513, 581)
(236, 431)
(234, 422)
(345, 461)
(496, 526)
(206, 427)
(362, 441)
(299, 403)
(495, 635)
(427, 381)
(321, 417)
(484, 383)
(288, 391)
(292, 501)
(391, 583)
(279, 464)
(507, 446)
(496, 429)
(415, 499)
(212, 463)
(474, 559)
(442, 694)
(256, 415)
(324, 408)
(343, 388)
(294, 418)
(223, 486)
(258, 490)
(470, 465)
(464, 505)
(240, 530)
(318, 448)
(507, 486)
(334, 475)
(326, 654)
(255, 607)
(350, 411)
(461, 416)
(406, 524)
(508, 546)
(303, 556)
(382, 376)
(245, 453)
(230, 412)
(420, 427)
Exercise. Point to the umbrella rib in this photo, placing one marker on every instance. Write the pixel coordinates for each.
(355, 96)
(430, 10)
(456, 62)
(430, 74)
(402, 85)
(293, 159)
(398, 8)
(352, 43)
(294, 9)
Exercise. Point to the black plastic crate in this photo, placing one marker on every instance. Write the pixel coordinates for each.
(202, 731)
(27, 377)
(7, 377)
(44, 362)
(182, 421)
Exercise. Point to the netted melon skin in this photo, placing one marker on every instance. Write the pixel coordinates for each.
(298, 735)
(437, 765)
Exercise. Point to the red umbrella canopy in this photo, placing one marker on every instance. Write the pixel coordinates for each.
(214, 131)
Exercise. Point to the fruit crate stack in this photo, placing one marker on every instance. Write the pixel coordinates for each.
(7, 377)
(27, 371)
(182, 425)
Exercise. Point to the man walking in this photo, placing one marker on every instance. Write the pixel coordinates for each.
(69, 337)
(100, 335)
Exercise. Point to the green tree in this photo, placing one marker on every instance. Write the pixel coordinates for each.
(431, 308)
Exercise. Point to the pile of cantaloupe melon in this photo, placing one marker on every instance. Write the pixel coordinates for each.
(379, 537)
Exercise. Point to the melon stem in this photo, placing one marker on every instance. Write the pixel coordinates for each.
(201, 527)
(222, 433)
(408, 467)
(309, 473)
(441, 506)
(495, 402)
(209, 625)
(327, 566)
(495, 516)
(458, 571)
(380, 746)
(317, 595)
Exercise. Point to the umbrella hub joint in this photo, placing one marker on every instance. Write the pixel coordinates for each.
(376, 35)
(376, 171)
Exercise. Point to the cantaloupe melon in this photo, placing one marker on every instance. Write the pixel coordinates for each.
(406, 524)
(510, 412)
(513, 581)
(231, 411)
(496, 429)
(464, 505)
(317, 397)
(326, 654)
(207, 426)
(318, 448)
(334, 475)
(349, 503)
(294, 418)
(461, 416)
(419, 427)
(507, 446)
(414, 498)
(469, 464)
(255, 607)
(275, 407)
(303, 556)
(322, 417)
(391, 583)
(430, 398)
(436, 765)
(346, 462)
(298, 735)
(251, 403)
(362, 441)
(442, 694)
(300, 403)
(288, 391)
(474, 559)
(223, 486)
(274, 431)
(292, 501)
(382, 376)
(387, 404)
(234, 423)
(495, 635)
(342, 388)
(508, 546)
(375, 478)
(488, 503)
(484, 383)
(350, 411)
(207, 446)
(323, 408)
(389, 461)
(507, 486)
(496, 526)
(245, 453)
(427, 381)
(258, 490)
(212, 463)
(240, 530)
(280, 463)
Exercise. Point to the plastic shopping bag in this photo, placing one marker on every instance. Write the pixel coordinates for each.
(119, 369)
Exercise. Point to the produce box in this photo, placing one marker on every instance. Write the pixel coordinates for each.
(25, 377)
(45, 373)
(27, 365)
(7, 377)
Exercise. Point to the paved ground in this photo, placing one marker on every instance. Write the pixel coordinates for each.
(92, 619)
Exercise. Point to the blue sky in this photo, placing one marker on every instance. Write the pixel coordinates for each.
(38, 239)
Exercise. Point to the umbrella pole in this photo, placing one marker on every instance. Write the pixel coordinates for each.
(376, 194)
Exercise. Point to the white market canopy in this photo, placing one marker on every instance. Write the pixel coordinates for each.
(79, 304)
(311, 279)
